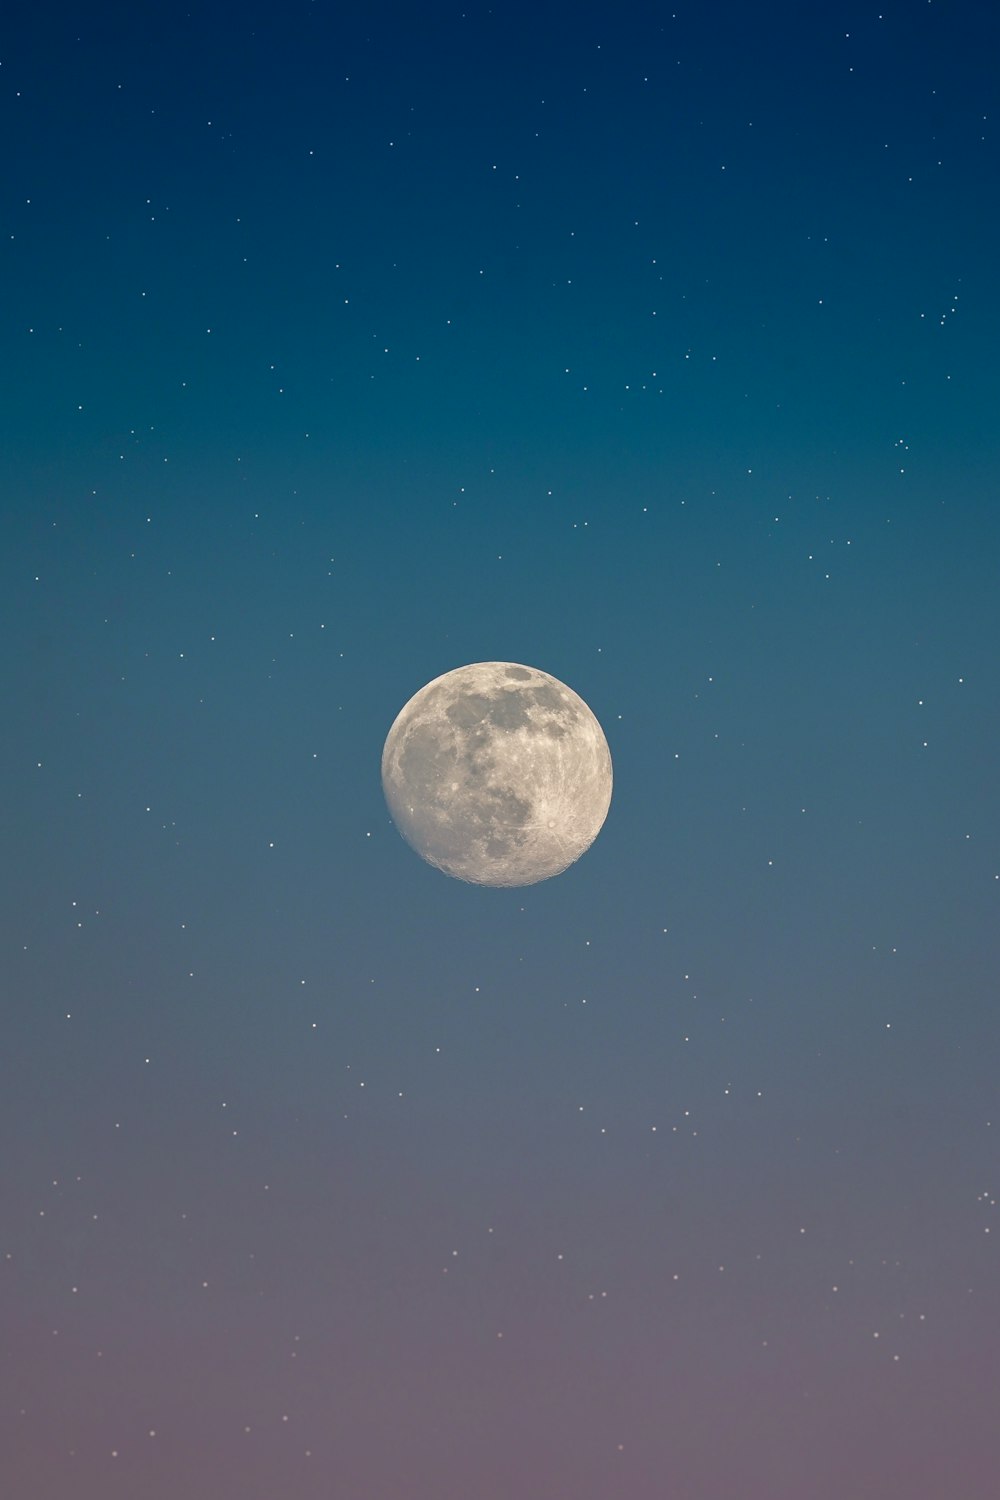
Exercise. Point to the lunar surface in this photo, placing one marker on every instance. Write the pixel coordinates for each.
(497, 774)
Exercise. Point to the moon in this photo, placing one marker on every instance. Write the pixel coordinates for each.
(497, 774)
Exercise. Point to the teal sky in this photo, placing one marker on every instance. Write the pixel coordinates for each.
(653, 347)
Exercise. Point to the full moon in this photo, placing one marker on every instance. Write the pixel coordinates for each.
(497, 774)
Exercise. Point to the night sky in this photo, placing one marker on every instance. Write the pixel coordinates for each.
(652, 346)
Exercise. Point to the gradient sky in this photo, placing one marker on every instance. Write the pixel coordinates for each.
(654, 346)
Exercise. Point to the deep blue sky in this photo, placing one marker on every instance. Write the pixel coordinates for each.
(651, 346)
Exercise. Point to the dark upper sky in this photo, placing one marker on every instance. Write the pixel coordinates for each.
(651, 346)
